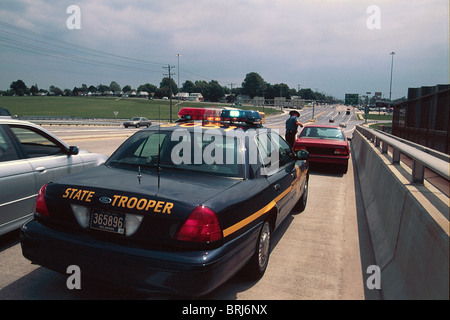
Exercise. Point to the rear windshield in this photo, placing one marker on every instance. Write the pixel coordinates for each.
(205, 153)
(322, 133)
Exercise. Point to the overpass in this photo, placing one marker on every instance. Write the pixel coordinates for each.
(378, 214)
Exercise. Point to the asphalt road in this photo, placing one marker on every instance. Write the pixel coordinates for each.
(321, 254)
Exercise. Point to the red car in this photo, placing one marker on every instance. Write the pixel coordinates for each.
(325, 144)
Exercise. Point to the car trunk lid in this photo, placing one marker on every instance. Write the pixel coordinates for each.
(320, 146)
(158, 203)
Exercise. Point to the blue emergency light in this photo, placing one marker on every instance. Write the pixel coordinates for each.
(249, 117)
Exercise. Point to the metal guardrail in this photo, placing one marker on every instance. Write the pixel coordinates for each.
(421, 159)
(74, 121)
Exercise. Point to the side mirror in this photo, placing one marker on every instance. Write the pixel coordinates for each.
(73, 151)
(302, 155)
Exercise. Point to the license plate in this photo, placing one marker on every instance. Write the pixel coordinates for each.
(108, 221)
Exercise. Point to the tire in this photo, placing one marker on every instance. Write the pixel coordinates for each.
(301, 204)
(260, 259)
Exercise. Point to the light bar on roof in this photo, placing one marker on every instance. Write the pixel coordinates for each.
(248, 117)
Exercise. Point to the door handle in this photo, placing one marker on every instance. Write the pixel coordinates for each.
(277, 187)
(41, 169)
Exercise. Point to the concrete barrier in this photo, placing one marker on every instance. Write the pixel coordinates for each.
(410, 236)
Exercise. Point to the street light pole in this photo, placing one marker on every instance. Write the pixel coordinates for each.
(390, 86)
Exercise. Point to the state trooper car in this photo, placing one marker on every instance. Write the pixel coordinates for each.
(178, 208)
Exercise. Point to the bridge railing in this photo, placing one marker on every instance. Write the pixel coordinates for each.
(408, 222)
(420, 158)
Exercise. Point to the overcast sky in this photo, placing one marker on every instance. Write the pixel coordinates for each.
(335, 47)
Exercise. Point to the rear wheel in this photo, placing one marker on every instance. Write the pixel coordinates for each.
(301, 204)
(258, 263)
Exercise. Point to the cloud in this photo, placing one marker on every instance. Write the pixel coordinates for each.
(322, 44)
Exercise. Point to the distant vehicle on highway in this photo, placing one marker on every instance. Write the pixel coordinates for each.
(137, 122)
(29, 158)
(325, 144)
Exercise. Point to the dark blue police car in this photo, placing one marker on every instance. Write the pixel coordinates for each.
(177, 209)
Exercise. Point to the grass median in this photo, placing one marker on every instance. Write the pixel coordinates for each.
(101, 107)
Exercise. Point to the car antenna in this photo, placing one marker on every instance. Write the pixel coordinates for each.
(159, 140)
(139, 176)
(159, 169)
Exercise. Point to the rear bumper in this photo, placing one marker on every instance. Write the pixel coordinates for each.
(186, 273)
(328, 159)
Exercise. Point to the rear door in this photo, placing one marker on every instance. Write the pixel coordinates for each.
(47, 157)
(17, 184)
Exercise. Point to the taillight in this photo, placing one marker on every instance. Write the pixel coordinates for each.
(202, 225)
(342, 152)
(41, 206)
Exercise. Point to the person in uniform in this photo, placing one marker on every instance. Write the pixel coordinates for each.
(291, 127)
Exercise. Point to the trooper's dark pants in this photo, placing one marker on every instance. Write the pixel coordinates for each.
(290, 137)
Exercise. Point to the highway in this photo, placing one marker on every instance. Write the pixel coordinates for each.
(320, 254)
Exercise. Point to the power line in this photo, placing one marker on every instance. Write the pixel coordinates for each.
(39, 50)
(29, 34)
(26, 40)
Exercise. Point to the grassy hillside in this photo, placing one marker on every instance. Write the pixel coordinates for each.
(96, 107)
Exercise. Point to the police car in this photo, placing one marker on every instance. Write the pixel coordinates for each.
(178, 208)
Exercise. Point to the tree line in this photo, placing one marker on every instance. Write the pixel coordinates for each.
(252, 86)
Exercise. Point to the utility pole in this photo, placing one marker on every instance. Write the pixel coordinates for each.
(231, 90)
(169, 67)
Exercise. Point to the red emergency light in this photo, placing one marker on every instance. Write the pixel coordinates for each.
(207, 114)
(191, 113)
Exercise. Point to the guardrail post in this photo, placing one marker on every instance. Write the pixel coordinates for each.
(384, 147)
(395, 155)
(377, 142)
(418, 171)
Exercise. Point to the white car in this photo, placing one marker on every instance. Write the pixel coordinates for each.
(30, 157)
(4, 114)
(137, 122)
